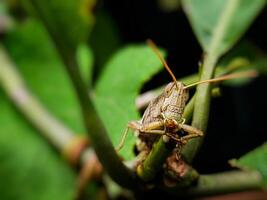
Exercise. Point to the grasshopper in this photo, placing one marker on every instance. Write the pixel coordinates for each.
(163, 116)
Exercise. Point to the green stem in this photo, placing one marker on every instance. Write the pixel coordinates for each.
(221, 183)
(154, 161)
(202, 102)
(188, 111)
(95, 128)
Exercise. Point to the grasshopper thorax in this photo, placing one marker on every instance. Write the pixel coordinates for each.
(175, 98)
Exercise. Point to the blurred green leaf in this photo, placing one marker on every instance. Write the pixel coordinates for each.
(40, 66)
(6, 22)
(3, 8)
(244, 57)
(30, 169)
(247, 50)
(68, 21)
(254, 160)
(118, 87)
(205, 16)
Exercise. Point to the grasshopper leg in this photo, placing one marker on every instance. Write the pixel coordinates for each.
(121, 144)
(192, 132)
(135, 125)
(156, 132)
(151, 128)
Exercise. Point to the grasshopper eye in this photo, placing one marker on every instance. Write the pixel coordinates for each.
(168, 88)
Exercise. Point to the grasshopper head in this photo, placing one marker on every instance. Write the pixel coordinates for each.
(175, 98)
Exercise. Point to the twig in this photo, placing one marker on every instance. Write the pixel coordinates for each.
(221, 183)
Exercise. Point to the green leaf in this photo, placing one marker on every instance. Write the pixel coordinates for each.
(68, 21)
(207, 16)
(247, 50)
(40, 66)
(30, 169)
(254, 160)
(3, 9)
(118, 87)
(6, 22)
(244, 57)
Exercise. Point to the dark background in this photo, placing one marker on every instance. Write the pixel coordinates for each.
(237, 119)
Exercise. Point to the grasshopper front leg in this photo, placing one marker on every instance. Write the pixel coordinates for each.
(150, 128)
(158, 128)
(192, 132)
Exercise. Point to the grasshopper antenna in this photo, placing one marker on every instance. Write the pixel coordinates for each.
(154, 47)
(251, 74)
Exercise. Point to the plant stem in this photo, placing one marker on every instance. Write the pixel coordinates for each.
(95, 128)
(221, 183)
(97, 133)
(202, 102)
(154, 161)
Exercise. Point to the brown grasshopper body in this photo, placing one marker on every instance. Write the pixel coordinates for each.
(163, 116)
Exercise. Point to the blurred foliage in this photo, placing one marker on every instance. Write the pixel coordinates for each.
(205, 19)
(60, 15)
(3, 8)
(254, 160)
(25, 156)
(43, 71)
(30, 169)
(251, 57)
